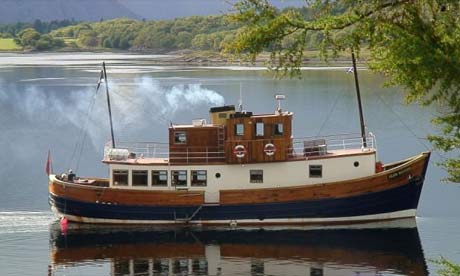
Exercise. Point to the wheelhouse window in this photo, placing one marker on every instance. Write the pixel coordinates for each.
(180, 137)
(139, 178)
(279, 129)
(199, 178)
(316, 170)
(260, 129)
(256, 176)
(239, 129)
(159, 178)
(120, 177)
(179, 178)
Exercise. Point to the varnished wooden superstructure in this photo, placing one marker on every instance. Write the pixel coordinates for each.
(216, 142)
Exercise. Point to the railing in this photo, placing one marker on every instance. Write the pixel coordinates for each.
(141, 150)
(301, 147)
(320, 145)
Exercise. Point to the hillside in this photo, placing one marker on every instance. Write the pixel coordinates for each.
(12, 11)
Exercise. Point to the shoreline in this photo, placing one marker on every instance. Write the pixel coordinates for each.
(192, 58)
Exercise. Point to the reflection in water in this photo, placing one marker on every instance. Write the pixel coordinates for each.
(245, 251)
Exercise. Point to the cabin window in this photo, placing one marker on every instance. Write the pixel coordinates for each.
(139, 178)
(161, 266)
(120, 177)
(200, 267)
(180, 137)
(222, 115)
(279, 129)
(179, 178)
(159, 178)
(316, 171)
(256, 176)
(239, 129)
(259, 129)
(121, 267)
(140, 267)
(199, 178)
(314, 271)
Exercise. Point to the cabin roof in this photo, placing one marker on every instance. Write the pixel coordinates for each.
(193, 126)
(285, 113)
(165, 161)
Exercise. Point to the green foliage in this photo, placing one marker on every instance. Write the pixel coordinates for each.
(27, 37)
(30, 38)
(447, 268)
(198, 32)
(415, 43)
(39, 26)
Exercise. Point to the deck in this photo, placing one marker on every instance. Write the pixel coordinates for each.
(307, 148)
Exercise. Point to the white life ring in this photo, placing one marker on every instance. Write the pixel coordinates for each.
(269, 149)
(239, 151)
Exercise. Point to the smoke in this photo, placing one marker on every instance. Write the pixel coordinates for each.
(149, 97)
(133, 106)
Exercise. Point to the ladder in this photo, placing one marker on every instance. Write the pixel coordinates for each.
(187, 219)
(220, 141)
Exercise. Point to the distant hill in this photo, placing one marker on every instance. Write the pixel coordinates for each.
(168, 9)
(12, 11)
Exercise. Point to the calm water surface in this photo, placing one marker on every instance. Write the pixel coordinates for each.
(44, 105)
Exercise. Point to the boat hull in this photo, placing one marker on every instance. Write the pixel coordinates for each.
(396, 199)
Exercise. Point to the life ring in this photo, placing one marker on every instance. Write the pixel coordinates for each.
(269, 149)
(239, 151)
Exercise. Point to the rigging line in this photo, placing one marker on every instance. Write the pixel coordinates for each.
(405, 125)
(82, 130)
(83, 133)
(329, 114)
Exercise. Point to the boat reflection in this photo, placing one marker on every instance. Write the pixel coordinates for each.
(370, 249)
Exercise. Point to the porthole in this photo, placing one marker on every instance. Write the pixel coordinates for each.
(356, 164)
(217, 175)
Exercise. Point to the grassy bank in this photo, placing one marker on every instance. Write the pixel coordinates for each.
(8, 44)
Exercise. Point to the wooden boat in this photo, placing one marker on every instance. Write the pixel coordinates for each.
(243, 168)
(374, 249)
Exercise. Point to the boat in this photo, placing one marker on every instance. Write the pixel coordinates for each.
(243, 168)
(376, 248)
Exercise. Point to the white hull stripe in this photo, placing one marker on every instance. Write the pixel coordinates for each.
(385, 216)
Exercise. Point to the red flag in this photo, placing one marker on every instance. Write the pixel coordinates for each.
(48, 168)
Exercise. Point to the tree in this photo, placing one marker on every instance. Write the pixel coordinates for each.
(27, 37)
(415, 43)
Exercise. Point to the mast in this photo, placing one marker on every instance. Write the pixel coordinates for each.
(358, 94)
(108, 103)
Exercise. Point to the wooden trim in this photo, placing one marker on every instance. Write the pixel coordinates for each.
(87, 193)
(391, 178)
(341, 189)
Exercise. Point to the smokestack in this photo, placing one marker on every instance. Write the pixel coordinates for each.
(220, 114)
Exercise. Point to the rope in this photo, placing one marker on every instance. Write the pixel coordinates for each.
(419, 139)
(83, 134)
(329, 114)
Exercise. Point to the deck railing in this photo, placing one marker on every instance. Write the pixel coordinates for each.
(301, 147)
(162, 151)
(320, 145)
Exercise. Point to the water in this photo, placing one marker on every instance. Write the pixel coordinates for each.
(44, 100)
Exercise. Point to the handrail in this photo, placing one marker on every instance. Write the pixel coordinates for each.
(298, 147)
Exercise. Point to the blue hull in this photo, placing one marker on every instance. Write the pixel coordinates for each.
(397, 199)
